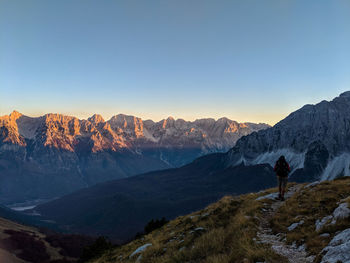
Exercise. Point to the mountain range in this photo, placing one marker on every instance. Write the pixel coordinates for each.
(314, 139)
(52, 155)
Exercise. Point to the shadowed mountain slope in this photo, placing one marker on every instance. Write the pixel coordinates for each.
(121, 208)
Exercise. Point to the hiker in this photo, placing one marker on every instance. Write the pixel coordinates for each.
(282, 169)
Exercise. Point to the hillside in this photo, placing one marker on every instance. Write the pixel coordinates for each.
(312, 225)
(119, 209)
(52, 155)
(24, 244)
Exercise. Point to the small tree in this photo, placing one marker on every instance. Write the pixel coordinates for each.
(155, 224)
(96, 249)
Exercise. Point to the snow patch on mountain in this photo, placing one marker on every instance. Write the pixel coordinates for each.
(150, 137)
(296, 160)
(339, 165)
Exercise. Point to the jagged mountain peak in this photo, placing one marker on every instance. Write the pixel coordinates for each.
(128, 124)
(168, 122)
(12, 117)
(208, 120)
(327, 122)
(15, 114)
(96, 118)
(125, 118)
(224, 119)
(57, 117)
(93, 150)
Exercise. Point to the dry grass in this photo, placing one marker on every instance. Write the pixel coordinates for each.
(230, 227)
(309, 205)
(24, 243)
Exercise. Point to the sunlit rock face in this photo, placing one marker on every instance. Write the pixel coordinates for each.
(55, 154)
(315, 139)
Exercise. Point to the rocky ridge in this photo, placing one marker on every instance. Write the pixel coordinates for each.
(315, 139)
(122, 132)
(54, 154)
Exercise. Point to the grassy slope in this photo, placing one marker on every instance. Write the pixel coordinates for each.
(20, 244)
(230, 227)
(309, 205)
(10, 252)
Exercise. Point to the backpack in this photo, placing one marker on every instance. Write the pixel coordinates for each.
(282, 169)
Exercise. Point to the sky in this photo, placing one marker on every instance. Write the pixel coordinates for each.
(246, 60)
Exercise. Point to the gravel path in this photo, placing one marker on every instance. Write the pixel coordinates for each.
(293, 253)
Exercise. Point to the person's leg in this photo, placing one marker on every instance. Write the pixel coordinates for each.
(283, 187)
(282, 192)
(279, 187)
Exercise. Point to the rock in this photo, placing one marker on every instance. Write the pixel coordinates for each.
(341, 212)
(198, 229)
(140, 249)
(295, 225)
(302, 248)
(325, 235)
(312, 184)
(182, 248)
(205, 214)
(320, 223)
(272, 196)
(346, 199)
(338, 250)
(310, 258)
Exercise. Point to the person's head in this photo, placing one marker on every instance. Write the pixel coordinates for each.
(282, 158)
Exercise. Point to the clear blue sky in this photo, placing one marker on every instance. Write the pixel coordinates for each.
(246, 60)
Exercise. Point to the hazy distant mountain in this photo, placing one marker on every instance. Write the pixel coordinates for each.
(54, 154)
(314, 139)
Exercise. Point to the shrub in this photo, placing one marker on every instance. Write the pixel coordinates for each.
(99, 247)
(155, 224)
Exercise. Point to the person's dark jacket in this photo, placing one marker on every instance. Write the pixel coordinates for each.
(282, 168)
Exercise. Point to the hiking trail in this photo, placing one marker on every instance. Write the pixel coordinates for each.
(278, 244)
